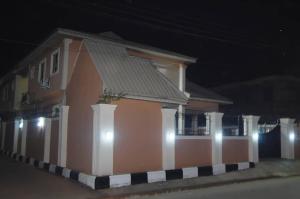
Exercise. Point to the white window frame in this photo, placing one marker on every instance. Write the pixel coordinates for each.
(58, 62)
(39, 74)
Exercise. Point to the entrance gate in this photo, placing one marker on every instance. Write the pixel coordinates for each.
(269, 144)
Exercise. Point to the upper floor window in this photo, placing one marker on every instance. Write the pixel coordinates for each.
(55, 62)
(42, 71)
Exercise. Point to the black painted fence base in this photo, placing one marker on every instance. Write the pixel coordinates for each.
(103, 182)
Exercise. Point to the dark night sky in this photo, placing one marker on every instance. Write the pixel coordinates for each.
(233, 40)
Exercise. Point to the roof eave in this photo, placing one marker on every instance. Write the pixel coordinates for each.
(212, 100)
(171, 101)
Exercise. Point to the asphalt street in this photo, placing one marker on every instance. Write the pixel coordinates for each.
(18, 180)
(288, 188)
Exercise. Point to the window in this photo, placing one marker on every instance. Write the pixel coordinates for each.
(55, 62)
(42, 70)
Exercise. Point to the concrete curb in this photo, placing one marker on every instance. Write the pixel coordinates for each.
(103, 182)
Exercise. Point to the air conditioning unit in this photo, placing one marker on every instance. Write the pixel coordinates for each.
(45, 84)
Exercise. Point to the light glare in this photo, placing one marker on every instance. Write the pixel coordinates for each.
(292, 137)
(41, 122)
(108, 136)
(255, 136)
(219, 136)
(170, 136)
(21, 124)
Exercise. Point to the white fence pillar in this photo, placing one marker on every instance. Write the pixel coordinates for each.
(251, 129)
(195, 123)
(16, 135)
(215, 130)
(24, 137)
(181, 118)
(168, 138)
(47, 140)
(287, 138)
(3, 135)
(63, 136)
(103, 139)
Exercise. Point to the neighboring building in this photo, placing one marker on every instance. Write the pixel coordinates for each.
(71, 72)
(273, 96)
(12, 89)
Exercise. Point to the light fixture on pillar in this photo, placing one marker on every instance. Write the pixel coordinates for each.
(170, 136)
(219, 136)
(108, 136)
(41, 122)
(292, 136)
(21, 123)
(255, 136)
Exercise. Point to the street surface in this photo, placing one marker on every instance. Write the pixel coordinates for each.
(18, 180)
(286, 188)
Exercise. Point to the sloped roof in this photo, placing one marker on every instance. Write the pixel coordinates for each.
(134, 76)
(200, 93)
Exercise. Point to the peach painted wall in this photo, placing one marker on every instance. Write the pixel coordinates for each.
(202, 106)
(9, 136)
(83, 90)
(35, 140)
(235, 150)
(192, 152)
(54, 141)
(297, 149)
(138, 136)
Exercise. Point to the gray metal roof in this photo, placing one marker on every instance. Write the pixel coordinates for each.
(200, 93)
(134, 76)
(133, 45)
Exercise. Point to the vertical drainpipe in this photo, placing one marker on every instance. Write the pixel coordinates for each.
(180, 107)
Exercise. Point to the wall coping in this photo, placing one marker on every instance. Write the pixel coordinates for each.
(193, 137)
(235, 137)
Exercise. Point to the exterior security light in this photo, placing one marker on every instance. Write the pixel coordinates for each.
(108, 136)
(170, 136)
(292, 137)
(41, 122)
(255, 136)
(21, 124)
(219, 136)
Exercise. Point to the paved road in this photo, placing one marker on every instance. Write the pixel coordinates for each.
(19, 180)
(285, 188)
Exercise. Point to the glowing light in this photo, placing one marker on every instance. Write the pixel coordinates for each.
(41, 122)
(108, 136)
(292, 137)
(170, 136)
(255, 136)
(21, 124)
(219, 136)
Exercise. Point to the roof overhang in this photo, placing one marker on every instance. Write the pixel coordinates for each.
(211, 100)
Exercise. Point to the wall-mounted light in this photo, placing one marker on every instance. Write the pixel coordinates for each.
(255, 136)
(41, 122)
(219, 136)
(292, 136)
(170, 136)
(21, 123)
(108, 136)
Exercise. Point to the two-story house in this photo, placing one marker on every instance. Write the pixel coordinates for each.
(71, 72)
